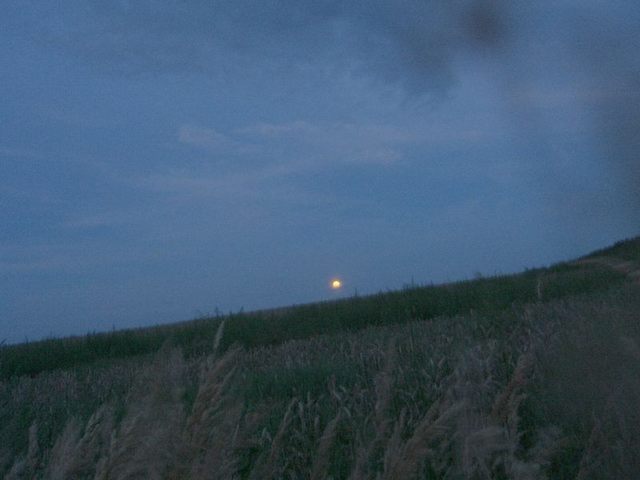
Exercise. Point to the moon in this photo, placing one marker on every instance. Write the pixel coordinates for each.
(336, 284)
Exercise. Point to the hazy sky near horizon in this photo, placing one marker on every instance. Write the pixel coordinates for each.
(161, 159)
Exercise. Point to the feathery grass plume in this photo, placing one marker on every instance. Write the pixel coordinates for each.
(506, 404)
(27, 467)
(79, 454)
(613, 447)
(5, 459)
(212, 428)
(420, 445)
(148, 437)
(95, 446)
(215, 377)
(539, 288)
(321, 460)
(303, 437)
(473, 430)
(215, 460)
(219, 335)
(455, 435)
(383, 385)
(480, 446)
(63, 453)
(266, 468)
(490, 441)
(592, 460)
(394, 446)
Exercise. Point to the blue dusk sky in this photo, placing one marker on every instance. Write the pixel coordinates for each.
(160, 160)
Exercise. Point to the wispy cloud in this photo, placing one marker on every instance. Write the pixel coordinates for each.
(203, 137)
(273, 151)
(101, 220)
(272, 130)
(273, 156)
(571, 95)
(410, 43)
(382, 133)
(255, 184)
(318, 145)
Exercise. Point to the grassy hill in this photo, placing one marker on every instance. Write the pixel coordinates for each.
(532, 375)
(196, 337)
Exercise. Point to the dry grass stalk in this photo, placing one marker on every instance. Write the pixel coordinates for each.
(148, 438)
(81, 454)
(63, 451)
(216, 459)
(606, 455)
(613, 449)
(154, 439)
(383, 384)
(539, 289)
(267, 469)
(5, 459)
(219, 335)
(419, 445)
(321, 460)
(506, 404)
(491, 441)
(208, 439)
(27, 467)
(214, 381)
(394, 445)
(464, 434)
(455, 428)
(491, 445)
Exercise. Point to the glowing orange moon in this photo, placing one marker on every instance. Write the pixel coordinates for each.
(336, 284)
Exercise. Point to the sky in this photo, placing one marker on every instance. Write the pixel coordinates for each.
(164, 160)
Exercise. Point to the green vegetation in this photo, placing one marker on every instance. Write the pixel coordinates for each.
(271, 328)
(525, 376)
(32, 358)
(628, 249)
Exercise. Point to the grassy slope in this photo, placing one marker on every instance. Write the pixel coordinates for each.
(537, 369)
(304, 321)
(624, 250)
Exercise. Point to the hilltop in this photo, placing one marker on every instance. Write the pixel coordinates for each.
(531, 375)
(588, 274)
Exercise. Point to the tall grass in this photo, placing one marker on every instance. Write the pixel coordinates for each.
(628, 249)
(546, 390)
(534, 376)
(484, 295)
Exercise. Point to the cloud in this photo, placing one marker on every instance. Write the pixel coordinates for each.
(253, 184)
(102, 220)
(279, 149)
(202, 137)
(330, 144)
(409, 43)
(414, 46)
(298, 127)
(195, 185)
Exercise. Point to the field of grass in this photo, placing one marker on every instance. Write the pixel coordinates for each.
(526, 376)
(484, 295)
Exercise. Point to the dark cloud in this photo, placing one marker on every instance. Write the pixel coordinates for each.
(607, 49)
(410, 44)
(589, 49)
